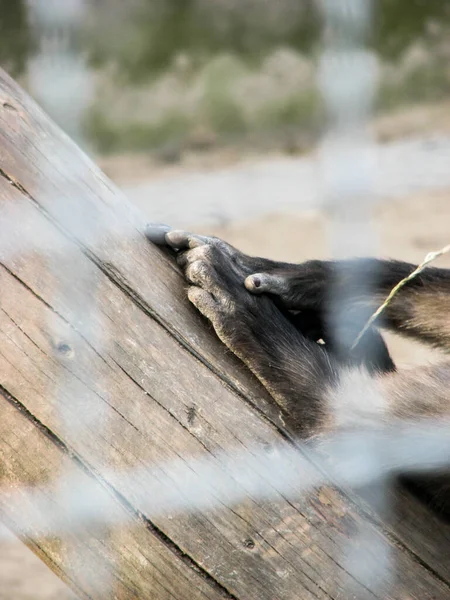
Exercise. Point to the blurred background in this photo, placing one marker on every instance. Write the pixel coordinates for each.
(209, 115)
(172, 78)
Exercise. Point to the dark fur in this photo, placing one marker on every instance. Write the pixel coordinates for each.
(273, 326)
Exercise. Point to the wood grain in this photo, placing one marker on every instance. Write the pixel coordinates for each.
(145, 384)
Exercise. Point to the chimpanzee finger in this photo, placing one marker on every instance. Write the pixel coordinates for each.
(156, 233)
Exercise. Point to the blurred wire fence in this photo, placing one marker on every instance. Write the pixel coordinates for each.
(176, 76)
(171, 77)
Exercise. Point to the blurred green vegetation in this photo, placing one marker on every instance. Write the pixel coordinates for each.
(225, 100)
(234, 69)
(15, 39)
(153, 32)
(400, 23)
(194, 73)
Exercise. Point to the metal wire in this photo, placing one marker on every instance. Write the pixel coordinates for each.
(347, 77)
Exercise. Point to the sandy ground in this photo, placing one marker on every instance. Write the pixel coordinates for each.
(407, 227)
(279, 184)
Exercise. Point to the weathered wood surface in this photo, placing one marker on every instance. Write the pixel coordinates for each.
(165, 388)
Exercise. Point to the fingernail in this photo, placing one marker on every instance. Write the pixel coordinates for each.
(156, 232)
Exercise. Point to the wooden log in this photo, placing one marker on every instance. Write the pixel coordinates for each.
(145, 384)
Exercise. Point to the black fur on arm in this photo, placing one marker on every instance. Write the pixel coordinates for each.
(279, 346)
(363, 284)
(318, 387)
(292, 367)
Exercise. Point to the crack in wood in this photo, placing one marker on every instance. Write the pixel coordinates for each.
(50, 307)
(116, 277)
(142, 388)
(156, 531)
